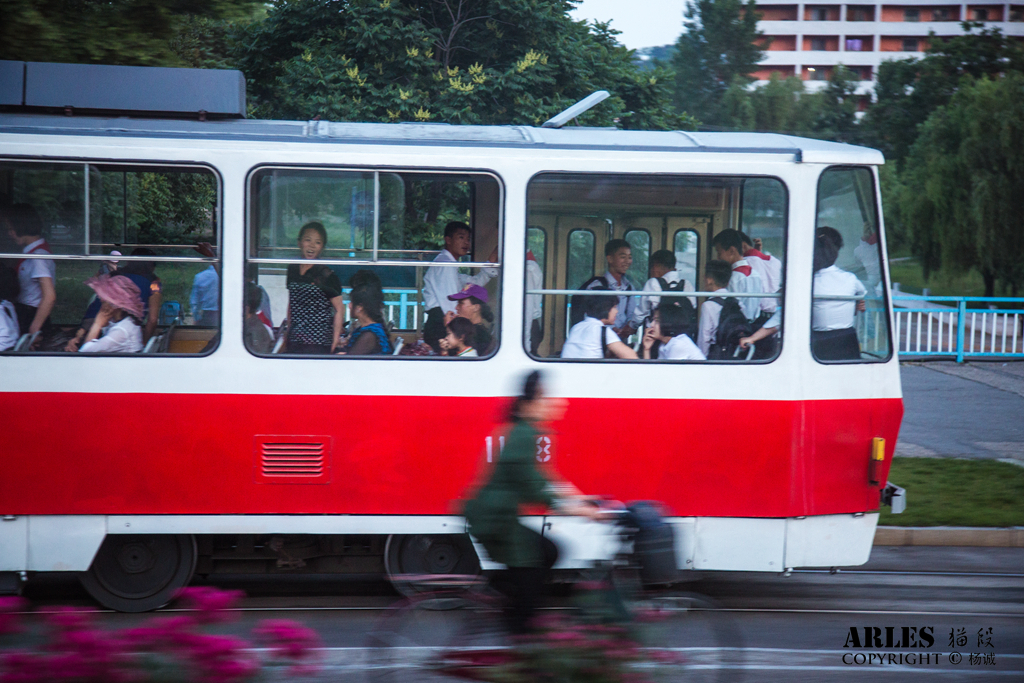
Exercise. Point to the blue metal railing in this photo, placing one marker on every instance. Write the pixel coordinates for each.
(945, 326)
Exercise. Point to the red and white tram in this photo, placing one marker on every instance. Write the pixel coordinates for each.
(142, 469)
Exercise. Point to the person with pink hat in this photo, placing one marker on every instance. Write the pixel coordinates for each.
(472, 305)
(117, 327)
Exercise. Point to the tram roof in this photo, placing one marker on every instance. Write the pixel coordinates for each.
(801, 149)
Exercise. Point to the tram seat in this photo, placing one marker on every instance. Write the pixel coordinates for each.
(282, 333)
(25, 342)
(151, 344)
(399, 343)
(189, 339)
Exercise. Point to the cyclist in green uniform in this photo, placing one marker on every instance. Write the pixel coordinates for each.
(493, 514)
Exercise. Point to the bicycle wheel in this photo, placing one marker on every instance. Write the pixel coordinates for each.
(686, 637)
(418, 642)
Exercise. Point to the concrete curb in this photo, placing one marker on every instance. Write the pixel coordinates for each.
(981, 537)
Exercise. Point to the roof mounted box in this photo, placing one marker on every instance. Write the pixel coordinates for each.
(124, 90)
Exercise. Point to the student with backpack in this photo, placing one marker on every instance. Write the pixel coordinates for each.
(722, 321)
(619, 256)
(668, 327)
(665, 278)
(593, 337)
(728, 246)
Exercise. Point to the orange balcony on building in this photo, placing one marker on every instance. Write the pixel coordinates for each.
(902, 44)
(859, 43)
(860, 13)
(778, 43)
(765, 73)
(913, 13)
(821, 13)
(777, 12)
(821, 44)
(985, 12)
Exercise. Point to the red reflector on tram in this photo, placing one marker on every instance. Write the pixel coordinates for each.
(293, 459)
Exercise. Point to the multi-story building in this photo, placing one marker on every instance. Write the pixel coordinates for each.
(809, 40)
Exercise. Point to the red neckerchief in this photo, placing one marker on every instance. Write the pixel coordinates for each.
(266, 322)
(530, 256)
(743, 269)
(755, 252)
(33, 250)
(871, 239)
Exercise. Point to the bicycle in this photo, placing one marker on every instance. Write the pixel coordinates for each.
(619, 630)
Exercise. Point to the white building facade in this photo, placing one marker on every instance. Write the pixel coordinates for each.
(808, 40)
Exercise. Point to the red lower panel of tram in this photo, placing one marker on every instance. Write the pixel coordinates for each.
(404, 455)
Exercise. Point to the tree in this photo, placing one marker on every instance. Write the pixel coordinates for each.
(963, 182)
(133, 32)
(909, 90)
(484, 62)
(718, 47)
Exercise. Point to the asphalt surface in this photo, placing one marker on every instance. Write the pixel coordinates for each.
(973, 410)
(791, 628)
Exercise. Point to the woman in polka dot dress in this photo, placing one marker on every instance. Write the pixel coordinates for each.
(314, 298)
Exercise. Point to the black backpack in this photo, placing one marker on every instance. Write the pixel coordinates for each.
(732, 326)
(579, 302)
(682, 302)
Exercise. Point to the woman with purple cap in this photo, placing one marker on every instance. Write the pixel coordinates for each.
(471, 303)
(117, 327)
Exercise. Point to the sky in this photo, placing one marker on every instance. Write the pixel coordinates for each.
(644, 23)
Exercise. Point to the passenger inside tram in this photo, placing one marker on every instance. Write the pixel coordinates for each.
(36, 277)
(9, 330)
(471, 304)
(664, 277)
(594, 337)
(371, 338)
(441, 282)
(459, 341)
(314, 297)
(835, 306)
(716, 280)
(669, 329)
(728, 246)
(767, 266)
(117, 326)
(618, 256)
(257, 332)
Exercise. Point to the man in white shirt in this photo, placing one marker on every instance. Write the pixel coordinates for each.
(619, 256)
(663, 268)
(768, 268)
(534, 304)
(442, 281)
(729, 248)
(593, 336)
(37, 277)
(716, 279)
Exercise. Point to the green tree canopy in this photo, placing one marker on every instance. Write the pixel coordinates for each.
(909, 90)
(717, 49)
(132, 32)
(963, 183)
(491, 61)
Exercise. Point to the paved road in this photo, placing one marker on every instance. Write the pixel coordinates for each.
(790, 628)
(974, 410)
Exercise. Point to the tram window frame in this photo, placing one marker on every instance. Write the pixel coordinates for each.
(883, 265)
(709, 179)
(696, 268)
(251, 199)
(647, 266)
(137, 166)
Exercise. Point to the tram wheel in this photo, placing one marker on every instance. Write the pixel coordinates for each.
(140, 573)
(428, 554)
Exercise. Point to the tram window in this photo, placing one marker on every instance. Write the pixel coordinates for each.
(140, 222)
(651, 213)
(640, 246)
(849, 320)
(375, 235)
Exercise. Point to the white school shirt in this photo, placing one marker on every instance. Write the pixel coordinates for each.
(124, 336)
(710, 312)
(534, 308)
(680, 348)
(646, 304)
(831, 314)
(739, 282)
(439, 283)
(30, 272)
(468, 353)
(626, 303)
(9, 331)
(584, 340)
(762, 269)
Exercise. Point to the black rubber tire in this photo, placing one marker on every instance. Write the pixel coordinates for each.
(429, 554)
(140, 573)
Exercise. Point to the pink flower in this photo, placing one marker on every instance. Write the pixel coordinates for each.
(288, 639)
(211, 603)
(9, 620)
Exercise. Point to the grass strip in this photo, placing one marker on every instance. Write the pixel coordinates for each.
(957, 492)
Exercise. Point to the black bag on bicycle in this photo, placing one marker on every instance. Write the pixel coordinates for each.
(654, 545)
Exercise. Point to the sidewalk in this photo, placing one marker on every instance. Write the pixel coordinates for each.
(974, 410)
